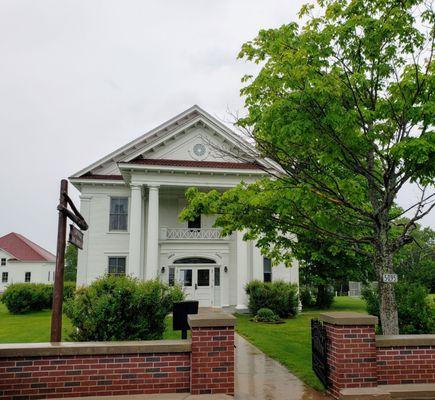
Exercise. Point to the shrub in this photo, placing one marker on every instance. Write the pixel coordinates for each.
(266, 315)
(121, 308)
(306, 296)
(24, 297)
(279, 296)
(416, 314)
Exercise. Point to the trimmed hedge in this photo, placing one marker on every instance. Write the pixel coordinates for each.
(279, 296)
(416, 313)
(121, 308)
(24, 297)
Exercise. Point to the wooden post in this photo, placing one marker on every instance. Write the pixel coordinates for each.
(56, 313)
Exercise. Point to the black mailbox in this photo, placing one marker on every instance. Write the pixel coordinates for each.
(180, 312)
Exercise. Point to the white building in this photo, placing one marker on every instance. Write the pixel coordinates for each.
(131, 200)
(21, 260)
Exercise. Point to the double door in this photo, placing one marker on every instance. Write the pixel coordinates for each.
(197, 283)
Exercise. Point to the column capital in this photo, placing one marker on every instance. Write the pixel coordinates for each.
(153, 186)
(135, 186)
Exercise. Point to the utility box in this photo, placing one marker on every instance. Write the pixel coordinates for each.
(180, 312)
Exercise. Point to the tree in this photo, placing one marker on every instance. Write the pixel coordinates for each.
(344, 107)
(415, 263)
(324, 262)
(71, 254)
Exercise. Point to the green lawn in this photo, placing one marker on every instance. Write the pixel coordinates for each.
(290, 343)
(35, 327)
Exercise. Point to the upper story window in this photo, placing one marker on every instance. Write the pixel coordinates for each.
(267, 270)
(195, 224)
(3, 261)
(27, 276)
(117, 266)
(5, 276)
(118, 213)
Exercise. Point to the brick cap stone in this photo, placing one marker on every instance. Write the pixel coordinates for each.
(211, 317)
(364, 393)
(348, 318)
(405, 340)
(91, 348)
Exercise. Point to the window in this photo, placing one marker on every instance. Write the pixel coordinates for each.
(267, 270)
(171, 277)
(195, 224)
(217, 276)
(118, 213)
(27, 276)
(3, 261)
(186, 277)
(116, 266)
(203, 277)
(5, 277)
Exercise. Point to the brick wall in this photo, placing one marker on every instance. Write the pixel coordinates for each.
(351, 357)
(406, 364)
(94, 375)
(212, 360)
(358, 358)
(204, 364)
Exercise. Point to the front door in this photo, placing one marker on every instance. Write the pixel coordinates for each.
(197, 283)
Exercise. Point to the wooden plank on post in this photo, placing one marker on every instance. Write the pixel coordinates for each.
(56, 313)
(75, 237)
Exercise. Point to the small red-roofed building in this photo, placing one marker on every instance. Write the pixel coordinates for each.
(22, 260)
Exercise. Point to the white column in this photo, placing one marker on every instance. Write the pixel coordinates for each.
(83, 255)
(242, 270)
(134, 264)
(257, 263)
(152, 247)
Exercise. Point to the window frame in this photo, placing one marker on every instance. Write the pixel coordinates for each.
(29, 274)
(117, 266)
(5, 274)
(112, 198)
(3, 261)
(267, 273)
(195, 224)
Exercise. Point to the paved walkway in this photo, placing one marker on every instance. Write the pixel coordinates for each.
(260, 377)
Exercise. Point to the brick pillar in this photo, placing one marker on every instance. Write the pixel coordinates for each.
(351, 350)
(212, 362)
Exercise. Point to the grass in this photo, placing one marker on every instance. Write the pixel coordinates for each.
(34, 327)
(290, 343)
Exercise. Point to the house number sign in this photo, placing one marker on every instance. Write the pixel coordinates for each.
(390, 278)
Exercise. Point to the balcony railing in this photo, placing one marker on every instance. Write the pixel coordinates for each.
(191, 234)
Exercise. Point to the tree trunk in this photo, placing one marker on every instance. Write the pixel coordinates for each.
(387, 298)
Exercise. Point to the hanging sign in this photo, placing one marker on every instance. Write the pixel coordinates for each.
(390, 278)
(75, 237)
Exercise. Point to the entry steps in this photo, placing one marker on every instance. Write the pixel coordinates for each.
(417, 391)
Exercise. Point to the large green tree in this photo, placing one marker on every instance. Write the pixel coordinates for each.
(343, 105)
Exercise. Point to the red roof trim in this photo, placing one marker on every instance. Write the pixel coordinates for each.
(99, 176)
(196, 164)
(24, 249)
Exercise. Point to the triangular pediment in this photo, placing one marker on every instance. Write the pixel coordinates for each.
(193, 135)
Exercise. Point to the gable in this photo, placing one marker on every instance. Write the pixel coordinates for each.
(192, 136)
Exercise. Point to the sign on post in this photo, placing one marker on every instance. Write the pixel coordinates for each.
(389, 278)
(75, 237)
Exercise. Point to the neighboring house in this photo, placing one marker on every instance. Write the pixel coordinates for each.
(132, 198)
(21, 261)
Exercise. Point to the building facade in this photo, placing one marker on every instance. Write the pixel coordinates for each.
(132, 198)
(23, 261)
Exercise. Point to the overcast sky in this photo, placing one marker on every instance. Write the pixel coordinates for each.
(80, 78)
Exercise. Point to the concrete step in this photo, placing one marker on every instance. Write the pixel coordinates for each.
(421, 391)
